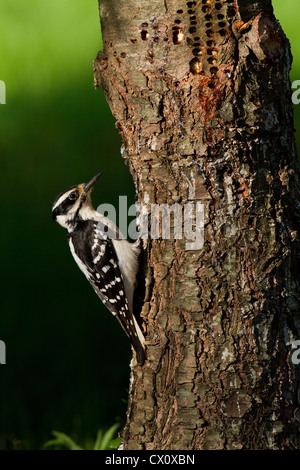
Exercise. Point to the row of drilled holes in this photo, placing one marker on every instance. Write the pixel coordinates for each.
(178, 33)
(195, 65)
(207, 4)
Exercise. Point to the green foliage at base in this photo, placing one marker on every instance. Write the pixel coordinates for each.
(105, 440)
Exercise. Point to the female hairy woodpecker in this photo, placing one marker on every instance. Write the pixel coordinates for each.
(107, 259)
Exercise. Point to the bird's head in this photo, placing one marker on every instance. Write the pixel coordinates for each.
(74, 204)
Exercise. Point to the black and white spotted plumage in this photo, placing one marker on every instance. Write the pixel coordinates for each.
(101, 258)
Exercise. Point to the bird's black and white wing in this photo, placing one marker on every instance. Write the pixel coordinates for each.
(96, 257)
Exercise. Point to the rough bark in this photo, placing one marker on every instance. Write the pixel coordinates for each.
(201, 95)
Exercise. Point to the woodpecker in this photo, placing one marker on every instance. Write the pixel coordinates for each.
(106, 258)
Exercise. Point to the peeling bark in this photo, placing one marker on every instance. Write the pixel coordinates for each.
(201, 95)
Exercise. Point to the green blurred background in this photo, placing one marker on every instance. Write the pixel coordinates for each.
(67, 358)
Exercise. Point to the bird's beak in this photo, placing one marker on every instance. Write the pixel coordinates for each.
(91, 183)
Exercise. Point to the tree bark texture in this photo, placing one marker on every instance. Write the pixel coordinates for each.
(201, 94)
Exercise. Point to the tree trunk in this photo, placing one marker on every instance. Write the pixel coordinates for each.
(201, 94)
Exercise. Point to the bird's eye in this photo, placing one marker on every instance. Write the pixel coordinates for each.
(73, 196)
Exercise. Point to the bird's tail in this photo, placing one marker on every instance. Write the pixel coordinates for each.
(139, 352)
